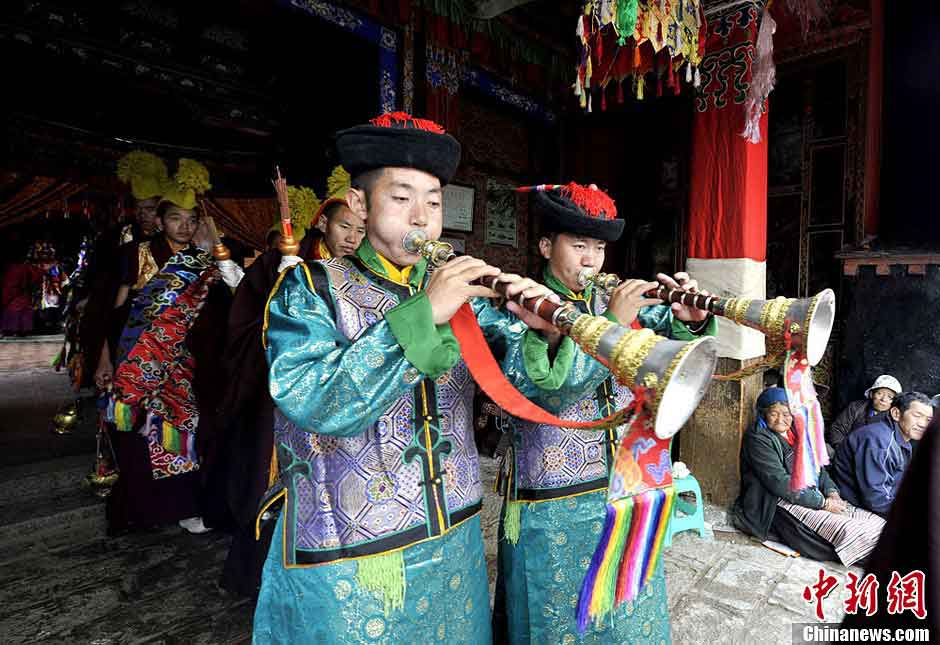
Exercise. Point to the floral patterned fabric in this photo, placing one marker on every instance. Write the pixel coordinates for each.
(446, 598)
(541, 577)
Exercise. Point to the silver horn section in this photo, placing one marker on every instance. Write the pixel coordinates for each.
(675, 373)
(605, 282)
(806, 321)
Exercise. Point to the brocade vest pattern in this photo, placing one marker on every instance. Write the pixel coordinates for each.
(409, 476)
(548, 462)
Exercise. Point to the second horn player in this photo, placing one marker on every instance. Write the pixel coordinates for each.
(677, 372)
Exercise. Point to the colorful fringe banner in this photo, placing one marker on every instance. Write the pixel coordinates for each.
(629, 551)
(172, 439)
(121, 415)
(808, 423)
(631, 38)
(640, 500)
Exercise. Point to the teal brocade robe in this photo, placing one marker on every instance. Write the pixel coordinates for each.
(556, 487)
(377, 459)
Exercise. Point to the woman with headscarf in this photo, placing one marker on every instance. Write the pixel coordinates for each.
(814, 521)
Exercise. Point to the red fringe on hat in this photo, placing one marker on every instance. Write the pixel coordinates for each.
(405, 120)
(591, 199)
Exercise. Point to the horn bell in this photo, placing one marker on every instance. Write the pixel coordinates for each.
(808, 321)
(676, 372)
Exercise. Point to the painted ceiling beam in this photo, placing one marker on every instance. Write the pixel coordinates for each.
(487, 9)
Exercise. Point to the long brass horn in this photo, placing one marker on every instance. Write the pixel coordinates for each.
(677, 372)
(807, 321)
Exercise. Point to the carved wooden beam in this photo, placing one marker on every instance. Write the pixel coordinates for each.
(487, 9)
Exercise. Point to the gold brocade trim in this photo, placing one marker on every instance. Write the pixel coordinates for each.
(277, 285)
(630, 352)
(667, 375)
(587, 332)
(264, 508)
(810, 312)
(146, 266)
(736, 308)
(273, 468)
(529, 502)
(427, 445)
(772, 320)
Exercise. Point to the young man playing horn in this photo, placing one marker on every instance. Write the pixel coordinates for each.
(557, 478)
(379, 538)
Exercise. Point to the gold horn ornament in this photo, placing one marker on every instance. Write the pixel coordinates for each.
(806, 321)
(676, 372)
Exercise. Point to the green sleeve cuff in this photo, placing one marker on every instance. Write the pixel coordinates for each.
(431, 348)
(609, 316)
(547, 375)
(680, 331)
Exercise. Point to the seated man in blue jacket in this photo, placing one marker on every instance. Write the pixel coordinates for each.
(869, 464)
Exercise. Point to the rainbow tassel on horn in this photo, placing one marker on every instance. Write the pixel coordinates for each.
(627, 555)
(810, 447)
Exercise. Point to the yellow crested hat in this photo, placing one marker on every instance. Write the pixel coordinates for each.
(145, 172)
(191, 180)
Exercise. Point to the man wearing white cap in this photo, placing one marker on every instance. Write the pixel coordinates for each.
(872, 408)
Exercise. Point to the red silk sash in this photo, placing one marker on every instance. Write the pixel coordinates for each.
(489, 376)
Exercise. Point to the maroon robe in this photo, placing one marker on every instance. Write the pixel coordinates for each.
(137, 499)
(248, 418)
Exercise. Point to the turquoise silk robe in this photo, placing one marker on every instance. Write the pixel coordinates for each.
(556, 494)
(379, 539)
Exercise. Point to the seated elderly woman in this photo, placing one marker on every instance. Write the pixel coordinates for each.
(815, 521)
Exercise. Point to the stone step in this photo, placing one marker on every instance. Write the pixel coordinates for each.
(44, 479)
(46, 504)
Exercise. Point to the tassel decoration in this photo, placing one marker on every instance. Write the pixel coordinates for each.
(763, 78)
(628, 553)
(384, 576)
(810, 447)
(512, 521)
(626, 20)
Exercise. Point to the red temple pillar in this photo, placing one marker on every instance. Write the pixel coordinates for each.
(727, 241)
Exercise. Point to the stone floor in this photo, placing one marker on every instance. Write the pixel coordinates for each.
(63, 581)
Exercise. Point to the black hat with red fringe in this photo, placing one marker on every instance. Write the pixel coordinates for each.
(399, 140)
(576, 210)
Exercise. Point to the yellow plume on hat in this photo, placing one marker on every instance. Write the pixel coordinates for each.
(145, 172)
(303, 204)
(191, 179)
(338, 183)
